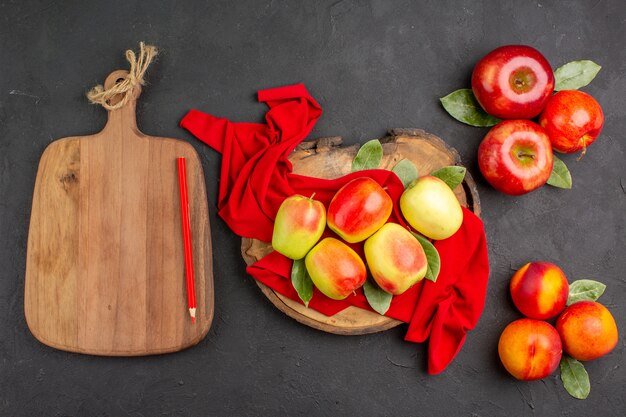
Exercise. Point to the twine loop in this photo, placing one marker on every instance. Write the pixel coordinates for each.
(125, 87)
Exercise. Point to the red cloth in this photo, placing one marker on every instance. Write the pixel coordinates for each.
(256, 177)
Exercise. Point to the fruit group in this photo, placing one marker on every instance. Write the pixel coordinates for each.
(359, 209)
(395, 258)
(431, 208)
(573, 120)
(530, 349)
(515, 157)
(588, 330)
(513, 82)
(335, 269)
(298, 226)
(539, 290)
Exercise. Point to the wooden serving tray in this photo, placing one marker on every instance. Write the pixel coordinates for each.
(105, 265)
(325, 158)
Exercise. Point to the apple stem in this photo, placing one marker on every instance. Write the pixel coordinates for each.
(526, 155)
(584, 151)
(312, 195)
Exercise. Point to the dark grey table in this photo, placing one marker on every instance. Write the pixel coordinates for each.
(371, 65)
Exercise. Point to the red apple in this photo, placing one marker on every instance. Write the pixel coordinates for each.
(335, 269)
(359, 209)
(395, 258)
(573, 120)
(516, 157)
(513, 82)
(299, 224)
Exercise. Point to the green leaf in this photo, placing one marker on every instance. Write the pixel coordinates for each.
(575, 378)
(406, 171)
(463, 106)
(432, 256)
(369, 156)
(301, 281)
(560, 176)
(378, 299)
(585, 290)
(451, 175)
(575, 75)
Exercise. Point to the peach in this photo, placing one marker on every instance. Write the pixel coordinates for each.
(539, 290)
(335, 269)
(395, 258)
(588, 330)
(530, 349)
(299, 225)
(359, 209)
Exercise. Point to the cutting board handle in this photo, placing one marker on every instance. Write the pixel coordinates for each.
(125, 117)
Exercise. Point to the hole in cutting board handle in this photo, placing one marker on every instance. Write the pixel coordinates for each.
(114, 78)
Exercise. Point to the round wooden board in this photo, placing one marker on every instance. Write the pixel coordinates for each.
(326, 158)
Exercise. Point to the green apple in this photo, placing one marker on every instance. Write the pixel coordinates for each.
(431, 208)
(299, 224)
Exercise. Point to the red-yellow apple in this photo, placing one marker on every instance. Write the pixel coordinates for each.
(359, 209)
(513, 82)
(588, 330)
(431, 208)
(539, 290)
(573, 120)
(298, 226)
(530, 349)
(515, 157)
(335, 269)
(395, 258)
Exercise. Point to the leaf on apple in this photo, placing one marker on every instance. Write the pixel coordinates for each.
(463, 106)
(560, 176)
(369, 156)
(406, 171)
(575, 75)
(301, 281)
(451, 175)
(378, 299)
(575, 378)
(585, 290)
(432, 257)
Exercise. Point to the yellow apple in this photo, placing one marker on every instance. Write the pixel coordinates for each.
(431, 208)
(395, 258)
(335, 269)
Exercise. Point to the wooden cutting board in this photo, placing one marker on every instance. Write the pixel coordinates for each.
(326, 158)
(105, 265)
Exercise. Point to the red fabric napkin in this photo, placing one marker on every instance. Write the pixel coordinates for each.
(256, 177)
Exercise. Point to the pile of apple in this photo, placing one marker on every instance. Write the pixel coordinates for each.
(516, 83)
(358, 212)
(531, 348)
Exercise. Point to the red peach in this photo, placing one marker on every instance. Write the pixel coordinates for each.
(530, 349)
(539, 290)
(588, 330)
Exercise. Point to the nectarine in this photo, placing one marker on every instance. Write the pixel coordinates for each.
(588, 330)
(530, 349)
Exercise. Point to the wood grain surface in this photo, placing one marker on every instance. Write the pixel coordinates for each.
(326, 158)
(105, 263)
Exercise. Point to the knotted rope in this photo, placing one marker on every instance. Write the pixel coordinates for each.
(138, 67)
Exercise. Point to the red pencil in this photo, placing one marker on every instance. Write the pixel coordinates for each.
(184, 209)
